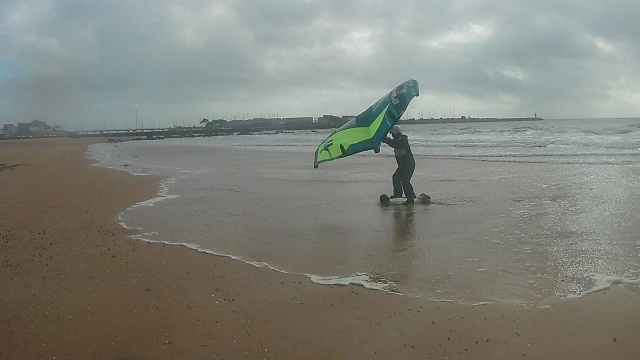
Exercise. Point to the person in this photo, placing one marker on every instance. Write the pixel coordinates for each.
(406, 165)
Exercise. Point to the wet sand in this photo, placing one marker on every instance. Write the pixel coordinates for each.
(75, 286)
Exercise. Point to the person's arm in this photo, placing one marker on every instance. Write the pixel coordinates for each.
(392, 142)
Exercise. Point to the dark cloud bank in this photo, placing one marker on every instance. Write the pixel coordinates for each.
(93, 64)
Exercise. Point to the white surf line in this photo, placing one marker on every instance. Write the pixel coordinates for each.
(162, 195)
(102, 156)
(363, 279)
(370, 281)
(604, 282)
(163, 192)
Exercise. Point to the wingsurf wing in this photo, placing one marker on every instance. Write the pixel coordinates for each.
(367, 130)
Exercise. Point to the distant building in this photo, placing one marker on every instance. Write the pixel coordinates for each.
(335, 121)
(10, 130)
(306, 120)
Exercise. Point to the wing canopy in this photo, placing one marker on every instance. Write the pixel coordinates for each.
(367, 130)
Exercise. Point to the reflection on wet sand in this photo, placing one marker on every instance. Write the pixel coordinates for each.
(403, 229)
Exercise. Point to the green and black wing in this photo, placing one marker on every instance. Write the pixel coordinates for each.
(367, 130)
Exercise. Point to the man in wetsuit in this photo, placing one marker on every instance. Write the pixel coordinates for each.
(406, 165)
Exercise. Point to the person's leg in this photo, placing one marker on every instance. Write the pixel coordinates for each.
(397, 183)
(405, 180)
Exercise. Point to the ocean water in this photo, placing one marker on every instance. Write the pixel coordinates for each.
(522, 212)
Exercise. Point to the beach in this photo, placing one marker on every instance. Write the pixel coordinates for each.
(77, 284)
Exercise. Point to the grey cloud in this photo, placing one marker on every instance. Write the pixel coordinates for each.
(92, 63)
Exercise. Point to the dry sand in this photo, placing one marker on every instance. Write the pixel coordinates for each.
(74, 286)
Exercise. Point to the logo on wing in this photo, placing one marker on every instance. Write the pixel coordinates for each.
(327, 145)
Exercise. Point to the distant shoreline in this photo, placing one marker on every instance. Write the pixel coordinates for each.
(247, 128)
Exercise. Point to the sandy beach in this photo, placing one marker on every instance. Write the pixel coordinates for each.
(75, 285)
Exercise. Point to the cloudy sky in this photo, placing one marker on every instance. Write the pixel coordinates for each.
(91, 64)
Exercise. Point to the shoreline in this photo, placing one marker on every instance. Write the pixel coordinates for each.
(243, 129)
(77, 286)
(462, 120)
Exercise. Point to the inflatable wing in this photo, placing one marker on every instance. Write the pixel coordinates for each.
(367, 130)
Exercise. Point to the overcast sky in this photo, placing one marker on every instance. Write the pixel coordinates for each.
(91, 64)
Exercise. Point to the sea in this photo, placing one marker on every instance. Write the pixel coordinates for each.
(522, 212)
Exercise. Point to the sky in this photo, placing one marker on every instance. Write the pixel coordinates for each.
(97, 64)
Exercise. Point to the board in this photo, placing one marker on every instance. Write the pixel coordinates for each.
(386, 200)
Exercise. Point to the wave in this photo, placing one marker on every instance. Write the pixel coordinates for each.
(568, 159)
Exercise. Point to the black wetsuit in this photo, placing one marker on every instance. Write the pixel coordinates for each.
(406, 165)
